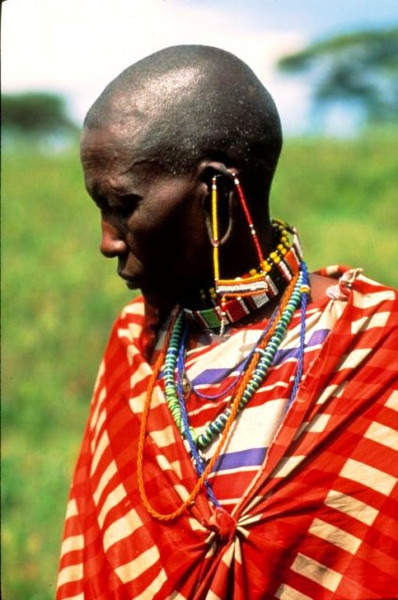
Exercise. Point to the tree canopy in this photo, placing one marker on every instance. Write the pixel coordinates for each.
(360, 67)
(36, 113)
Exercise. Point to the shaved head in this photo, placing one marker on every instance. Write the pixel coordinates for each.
(189, 103)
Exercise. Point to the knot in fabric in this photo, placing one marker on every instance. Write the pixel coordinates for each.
(223, 524)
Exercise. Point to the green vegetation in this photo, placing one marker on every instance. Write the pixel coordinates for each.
(36, 113)
(60, 298)
(340, 194)
(359, 69)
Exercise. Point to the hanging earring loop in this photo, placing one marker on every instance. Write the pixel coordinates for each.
(213, 225)
(231, 222)
(214, 228)
(249, 220)
(231, 218)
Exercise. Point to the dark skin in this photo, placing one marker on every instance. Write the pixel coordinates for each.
(153, 222)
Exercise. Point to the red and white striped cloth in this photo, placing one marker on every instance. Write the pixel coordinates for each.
(311, 501)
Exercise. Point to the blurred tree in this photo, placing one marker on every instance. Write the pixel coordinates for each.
(359, 68)
(36, 113)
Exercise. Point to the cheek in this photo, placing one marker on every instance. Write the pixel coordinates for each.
(151, 228)
(195, 231)
(154, 245)
(162, 230)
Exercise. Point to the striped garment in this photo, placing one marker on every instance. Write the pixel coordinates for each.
(310, 496)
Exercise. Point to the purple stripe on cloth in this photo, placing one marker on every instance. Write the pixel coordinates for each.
(318, 337)
(213, 376)
(210, 376)
(315, 340)
(244, 458)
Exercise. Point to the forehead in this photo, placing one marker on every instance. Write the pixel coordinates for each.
(113, 163)
(106, 144)
(110, 153)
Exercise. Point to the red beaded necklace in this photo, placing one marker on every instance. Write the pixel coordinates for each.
(275, 272)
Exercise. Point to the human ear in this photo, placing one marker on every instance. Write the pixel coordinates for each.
(218, 180)
(207, 170)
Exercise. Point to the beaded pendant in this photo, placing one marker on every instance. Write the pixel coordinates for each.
(295, 294)
(250, 292)
(260, 360)
(259, 282)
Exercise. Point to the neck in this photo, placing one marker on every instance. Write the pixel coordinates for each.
(233, 299)
(238, 257)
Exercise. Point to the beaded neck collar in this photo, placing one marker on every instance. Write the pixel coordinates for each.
(278, 269)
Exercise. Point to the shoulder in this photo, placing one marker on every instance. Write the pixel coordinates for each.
(370, 304)
(133, 309)
(130, 321)
(341, 280)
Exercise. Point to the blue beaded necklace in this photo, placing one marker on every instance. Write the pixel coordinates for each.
(174, 389)
(182, 376)
(175, 355)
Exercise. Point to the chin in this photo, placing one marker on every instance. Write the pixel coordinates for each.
(158, 298)
(132, 285)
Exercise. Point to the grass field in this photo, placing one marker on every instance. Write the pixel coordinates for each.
(60, 298)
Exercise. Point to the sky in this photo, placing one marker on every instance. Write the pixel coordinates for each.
(75, 47)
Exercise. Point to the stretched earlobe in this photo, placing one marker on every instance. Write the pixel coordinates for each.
(231, 219)
(219, 204)
(219, 180)
(225, 175)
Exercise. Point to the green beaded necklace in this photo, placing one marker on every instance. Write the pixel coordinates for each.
(263, 359)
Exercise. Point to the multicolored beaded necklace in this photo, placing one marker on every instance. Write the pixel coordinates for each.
(255, 289)
(197, 442)
(283, 268)
(250, 379)
(257, 364)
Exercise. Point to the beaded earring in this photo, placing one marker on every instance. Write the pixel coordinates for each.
(232, 287)
(233, 299)
(251, 285)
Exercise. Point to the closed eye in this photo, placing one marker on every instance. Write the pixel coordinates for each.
(126, 204)
(130, 200)
(122, 206)
(101, 202)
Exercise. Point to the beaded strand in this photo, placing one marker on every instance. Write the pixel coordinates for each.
(198, 462)
(259, 373)
(249, 219)
(266, 348)
(305, 290)
(209, 466)
(181, 373)
(253, 290)
(196, 458)
(214, 219)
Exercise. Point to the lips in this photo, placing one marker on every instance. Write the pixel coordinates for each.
(131, 282)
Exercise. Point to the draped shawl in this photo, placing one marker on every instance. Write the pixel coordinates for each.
(317, 519)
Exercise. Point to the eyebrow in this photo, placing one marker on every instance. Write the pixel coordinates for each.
(96, 189)
(120, 190)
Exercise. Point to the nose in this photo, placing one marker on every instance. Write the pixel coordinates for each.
(112, 243)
